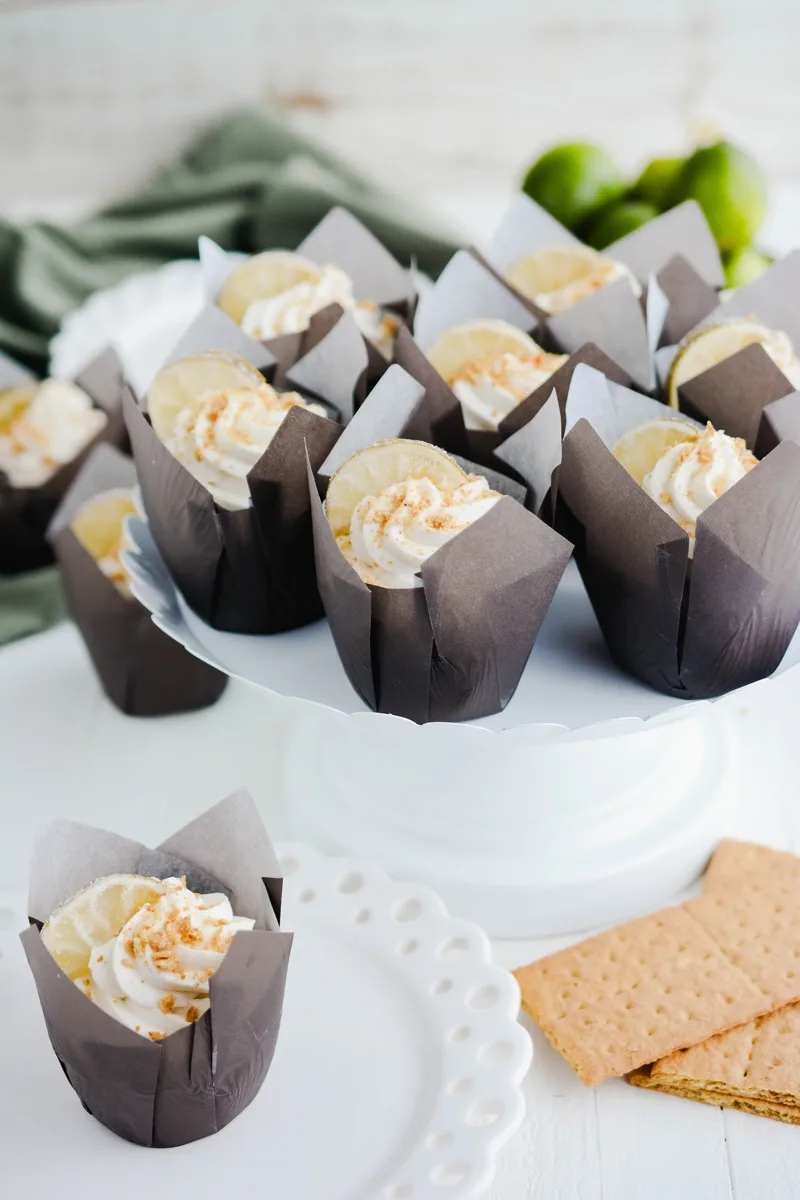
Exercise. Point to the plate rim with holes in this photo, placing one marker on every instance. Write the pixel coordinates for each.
(428, 1172)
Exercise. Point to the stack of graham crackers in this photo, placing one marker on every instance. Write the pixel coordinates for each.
(698, 1000)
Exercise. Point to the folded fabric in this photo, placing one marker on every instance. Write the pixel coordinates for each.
(30, 603)
(250, 183)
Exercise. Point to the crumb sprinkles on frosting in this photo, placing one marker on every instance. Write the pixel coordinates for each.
(290, 311)
(691, 475)
(219, 436)
(154, 976)
(490, 388)
(393, 533)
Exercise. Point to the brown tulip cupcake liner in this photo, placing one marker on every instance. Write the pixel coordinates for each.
(250, 570)
(342, 240)
(740, 394)
(454, 648)
(198, 1079)
(692, 627)
(25, 512)
(143, 672)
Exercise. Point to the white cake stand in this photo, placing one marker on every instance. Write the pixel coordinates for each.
(589, 799)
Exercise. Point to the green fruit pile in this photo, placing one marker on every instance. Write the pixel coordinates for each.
(584, 189)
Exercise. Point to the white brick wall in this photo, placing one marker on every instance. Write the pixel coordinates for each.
(430, 95)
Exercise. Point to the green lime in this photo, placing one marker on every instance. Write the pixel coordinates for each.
(657, 181)
(617, 220)
(574, 181)
(745, 266)
(731, 189)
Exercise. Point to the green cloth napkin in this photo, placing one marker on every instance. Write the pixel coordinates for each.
(30, 603)
(250, 183)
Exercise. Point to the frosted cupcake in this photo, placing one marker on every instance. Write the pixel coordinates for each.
(686, 543)
(47, 428)
(712, 344)
(218, 416)
(160, 972)
(557, 277)
(403, 527)
(278, 292)
(44, 426)
(281, 297)
(143, 671)
(220, 454)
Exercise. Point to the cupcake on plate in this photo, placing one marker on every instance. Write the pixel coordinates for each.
(142, 670)
(220, 454)
(47, 428)
(161, 973)
(276, 295)
(435, 585)
(688, 546)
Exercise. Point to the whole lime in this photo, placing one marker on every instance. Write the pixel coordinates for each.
(657, 181)
(618, 220)
(573, 181)
(731, 189)
(745, 266)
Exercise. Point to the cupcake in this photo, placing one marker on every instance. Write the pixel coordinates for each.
(435, 585)
(47, 428)
(742, 355)
(142, 670)
(161, 972)
(705, 348)
(275, 295)
(582, 296)
(485, 373)
(557, 277)
(688, 546)
(221, 459)
(491, 367)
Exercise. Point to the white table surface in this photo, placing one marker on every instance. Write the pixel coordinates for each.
(66, 751)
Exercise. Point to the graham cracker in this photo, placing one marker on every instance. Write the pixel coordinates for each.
(757, 1063)
(751, 908)
(788, 1113)
(616, 1001)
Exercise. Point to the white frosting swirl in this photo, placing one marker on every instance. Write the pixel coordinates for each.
(154, 975)
(690, 476)
(51, 431)
(291, 311)
(393, 533)
(220, 436)
(599, 275)
(489, 389)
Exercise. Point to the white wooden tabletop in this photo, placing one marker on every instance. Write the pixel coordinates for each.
(67, 752)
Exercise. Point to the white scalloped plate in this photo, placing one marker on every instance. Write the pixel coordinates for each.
(397, 1074)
